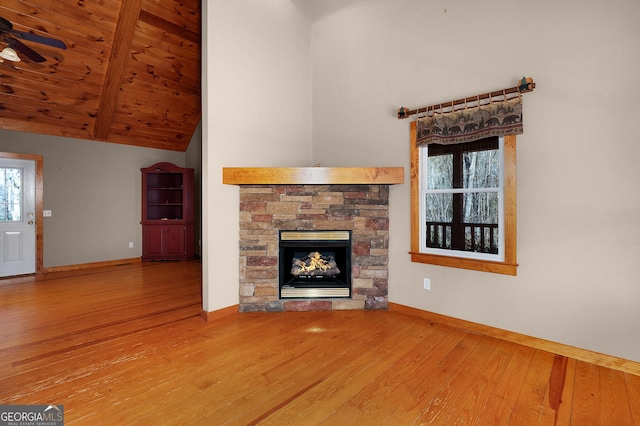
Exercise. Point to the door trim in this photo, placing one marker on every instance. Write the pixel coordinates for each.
(39, 201)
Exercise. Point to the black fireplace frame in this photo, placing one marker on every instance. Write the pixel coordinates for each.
(337, 243)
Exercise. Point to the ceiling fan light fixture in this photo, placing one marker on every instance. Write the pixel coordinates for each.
(9, 54)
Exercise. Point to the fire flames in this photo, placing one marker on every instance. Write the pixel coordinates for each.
(315, 264)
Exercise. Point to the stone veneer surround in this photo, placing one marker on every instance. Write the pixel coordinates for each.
(267, 209)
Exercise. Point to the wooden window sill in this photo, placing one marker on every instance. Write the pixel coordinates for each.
(464, 263)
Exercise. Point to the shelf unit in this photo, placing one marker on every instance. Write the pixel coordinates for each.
(168, 231)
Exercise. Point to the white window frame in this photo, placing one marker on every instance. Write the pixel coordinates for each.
(423, 152)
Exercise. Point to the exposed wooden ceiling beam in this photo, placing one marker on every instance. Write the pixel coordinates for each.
(129, 12)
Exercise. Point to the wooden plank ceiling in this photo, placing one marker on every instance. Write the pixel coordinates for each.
(130, 73)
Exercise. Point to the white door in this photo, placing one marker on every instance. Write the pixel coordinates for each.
(17, 217)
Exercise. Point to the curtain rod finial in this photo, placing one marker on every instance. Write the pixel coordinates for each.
(402, 112)
(526, 85)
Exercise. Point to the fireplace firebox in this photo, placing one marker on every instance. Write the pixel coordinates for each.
(314, 264)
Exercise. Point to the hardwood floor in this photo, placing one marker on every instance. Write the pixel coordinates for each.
(125, 345)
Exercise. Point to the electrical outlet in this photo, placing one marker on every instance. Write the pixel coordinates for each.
(46, 213)
(427, 284)
(130, 244)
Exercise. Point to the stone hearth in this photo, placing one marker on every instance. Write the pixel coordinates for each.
(267, 209)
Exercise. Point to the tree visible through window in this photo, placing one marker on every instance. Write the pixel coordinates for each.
(10, 194)
(462, 192)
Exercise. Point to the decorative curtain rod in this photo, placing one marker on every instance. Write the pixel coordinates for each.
(525, 85)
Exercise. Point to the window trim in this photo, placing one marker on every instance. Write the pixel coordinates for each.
(510, 264)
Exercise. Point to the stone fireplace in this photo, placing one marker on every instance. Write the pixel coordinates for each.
(270, 209)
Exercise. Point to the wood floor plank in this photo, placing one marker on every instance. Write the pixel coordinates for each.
(472, 402)
(499, 407)
(633, 396)
(529, 406)
(351, 353)
(394, 387)
(257, 404)
(420, 388)
(586, 395)
(288, 379)
(233, 394)
(322, 400)
(337, 389)
(400, 382)
(613, 391)
(564, 407)
(445, 404)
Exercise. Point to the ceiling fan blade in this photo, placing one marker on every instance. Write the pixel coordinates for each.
(24, 49)
(5, 25)
(38, 39)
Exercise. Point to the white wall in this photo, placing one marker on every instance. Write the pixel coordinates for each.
(578, 186)
(256, 112)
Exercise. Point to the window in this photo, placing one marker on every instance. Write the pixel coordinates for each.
(461, 196)
(10, 194)
(464, 204)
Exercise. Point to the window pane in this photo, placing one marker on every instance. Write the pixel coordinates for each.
(461, 204)
(10, 194)
(481, 222)
(440, 172)
(480, 207)
(439, 218)
(481, 169)
(439, 208)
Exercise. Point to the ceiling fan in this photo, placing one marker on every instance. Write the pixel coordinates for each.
(10, 37)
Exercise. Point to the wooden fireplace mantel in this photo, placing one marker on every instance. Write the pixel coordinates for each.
(312, 175)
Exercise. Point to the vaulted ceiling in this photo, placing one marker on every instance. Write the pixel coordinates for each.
(130, 73)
